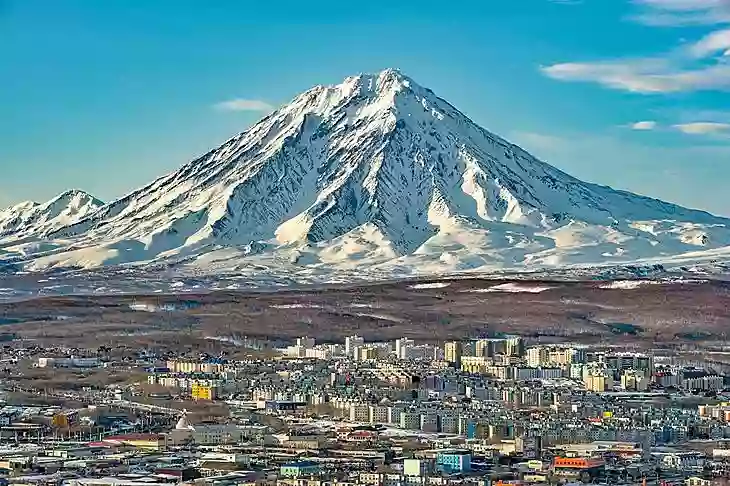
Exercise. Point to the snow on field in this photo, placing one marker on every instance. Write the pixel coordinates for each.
(297, 306)
(635, 284)
(432, 285)
(513, 288)
(628, 284)
(384, 317)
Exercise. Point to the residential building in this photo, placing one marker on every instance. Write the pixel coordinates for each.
(416, 467)
(598, 381)
(378, 414)
(537, 356)
(359, 413)
(453, 353)
(351, 343)
(453, 461)
(410, 420)
(299, 469)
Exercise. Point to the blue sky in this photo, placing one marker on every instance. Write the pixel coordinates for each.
(107, 95)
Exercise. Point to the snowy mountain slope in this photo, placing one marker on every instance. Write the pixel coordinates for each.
(379, 172)
(36, 219)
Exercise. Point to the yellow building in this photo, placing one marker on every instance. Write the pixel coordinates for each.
(474, 364)
(64, 420)
(369, 354)
(598, 382)
(634, 381)
(203, 392)
(453, 352)
(561, 356)
(482, 348)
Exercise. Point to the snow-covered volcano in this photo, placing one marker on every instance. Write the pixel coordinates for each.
(376, 173)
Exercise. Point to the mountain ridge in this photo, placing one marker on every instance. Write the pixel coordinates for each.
(377, 172)
(31, 218)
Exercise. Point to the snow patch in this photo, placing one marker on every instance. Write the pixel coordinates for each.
(432, 285)
(297, 306)
(384, 317)
(629, 284)
(513, 288)
(635, 284)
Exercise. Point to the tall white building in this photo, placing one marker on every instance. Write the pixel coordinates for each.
(305, 342)
(537, 356)
(515, 346)
(318, 353)
(351, 343)
(402, 347)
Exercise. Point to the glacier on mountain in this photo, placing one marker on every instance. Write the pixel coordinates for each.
(376, 174)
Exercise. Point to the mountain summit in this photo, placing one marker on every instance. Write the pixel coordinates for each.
(377, 171)
(30, 218)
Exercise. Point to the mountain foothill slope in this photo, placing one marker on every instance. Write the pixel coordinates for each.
(374, 174)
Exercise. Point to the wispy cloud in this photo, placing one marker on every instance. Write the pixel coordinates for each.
(682, 12)
(644, 125)
(718, 41)
(703, 65)
(240, 104)
(713, 129)
(704, 128)
(652, 75)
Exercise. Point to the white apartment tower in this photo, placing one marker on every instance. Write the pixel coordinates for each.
(351, 343)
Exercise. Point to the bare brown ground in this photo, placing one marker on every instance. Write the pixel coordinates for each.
(575, 310)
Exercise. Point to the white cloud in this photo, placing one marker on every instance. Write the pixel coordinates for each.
(630, 75)
(714, 128)
(644, 75)
(701, 65)
(711, 44)
(704, 128)
(683, 12)
(644, 125)
(240, 104)
(683, 5)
